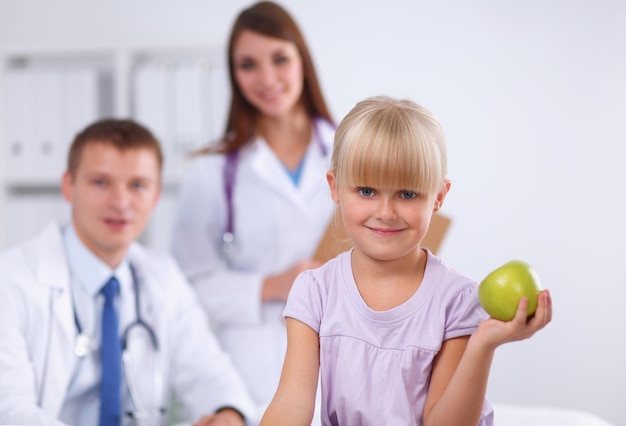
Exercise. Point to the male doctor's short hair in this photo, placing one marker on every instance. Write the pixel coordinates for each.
(123, 134)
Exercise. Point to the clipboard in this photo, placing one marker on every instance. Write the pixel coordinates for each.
(335, 239)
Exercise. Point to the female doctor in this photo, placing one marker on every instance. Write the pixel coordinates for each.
(253, 209)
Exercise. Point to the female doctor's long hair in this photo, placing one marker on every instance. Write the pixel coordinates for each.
(269, 19)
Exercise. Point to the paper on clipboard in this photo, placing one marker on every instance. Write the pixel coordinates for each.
(335, 239)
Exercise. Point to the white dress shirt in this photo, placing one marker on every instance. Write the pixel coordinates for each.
(88, 274)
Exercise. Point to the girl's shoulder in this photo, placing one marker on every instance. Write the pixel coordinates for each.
(456, 294)
(317, 292)
(332, 267)
(445, 279)
(325, 278)
(439, 264)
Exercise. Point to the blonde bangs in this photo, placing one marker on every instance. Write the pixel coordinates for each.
(396, 145)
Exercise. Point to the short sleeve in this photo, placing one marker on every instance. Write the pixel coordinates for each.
(464, 313)
(304, 302)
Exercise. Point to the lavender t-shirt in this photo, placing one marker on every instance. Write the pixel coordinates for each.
(375, 366)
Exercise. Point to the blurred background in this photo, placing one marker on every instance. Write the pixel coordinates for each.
(531, 96)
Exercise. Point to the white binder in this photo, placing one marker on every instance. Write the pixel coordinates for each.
(16, 119)
(190, 108)
(152, 104)
(46, 100)
(44, 108)
(79, 108)
(219, 98)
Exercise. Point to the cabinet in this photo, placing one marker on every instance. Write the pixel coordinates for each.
(46, 100)
(181, 94)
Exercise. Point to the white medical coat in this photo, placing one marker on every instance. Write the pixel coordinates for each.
(276, 225)
(37, 332)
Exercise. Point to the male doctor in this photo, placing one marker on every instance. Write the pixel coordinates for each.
(94, 330)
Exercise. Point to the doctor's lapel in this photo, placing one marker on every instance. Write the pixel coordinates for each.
(265, 163)
(55, 370)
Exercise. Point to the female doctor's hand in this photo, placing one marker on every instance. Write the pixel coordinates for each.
(225, 417)
(276, 287)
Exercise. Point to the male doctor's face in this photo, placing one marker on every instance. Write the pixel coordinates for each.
(112, 193)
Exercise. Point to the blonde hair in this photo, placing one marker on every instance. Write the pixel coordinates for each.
(390, 142)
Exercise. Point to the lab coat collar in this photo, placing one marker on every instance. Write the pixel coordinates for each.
(91, 272)
(267, 167)
(52, 268)
(153, 297)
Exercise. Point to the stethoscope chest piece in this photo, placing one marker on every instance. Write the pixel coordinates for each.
(228, 245)
(84, 345)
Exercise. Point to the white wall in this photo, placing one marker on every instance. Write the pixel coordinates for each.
(531, 95)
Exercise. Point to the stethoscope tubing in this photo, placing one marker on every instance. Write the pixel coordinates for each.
(84, 345)
(230, 168)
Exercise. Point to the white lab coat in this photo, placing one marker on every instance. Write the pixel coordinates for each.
(276, 225)
(37, 332)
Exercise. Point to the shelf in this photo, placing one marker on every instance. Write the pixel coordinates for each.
(180, 93)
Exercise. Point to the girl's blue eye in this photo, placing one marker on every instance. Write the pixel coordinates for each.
(366, 192)
(408, 194)
(99, 182)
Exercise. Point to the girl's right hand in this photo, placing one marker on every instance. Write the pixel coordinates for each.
(494, 333)
(276, 287)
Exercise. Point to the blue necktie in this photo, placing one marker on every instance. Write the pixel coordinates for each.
(111, 357)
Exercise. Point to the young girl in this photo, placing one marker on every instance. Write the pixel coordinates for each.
(396, 336)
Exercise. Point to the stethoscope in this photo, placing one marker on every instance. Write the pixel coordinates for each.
(85, 344)
(230, 168)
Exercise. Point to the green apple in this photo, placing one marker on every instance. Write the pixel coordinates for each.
(500, 292)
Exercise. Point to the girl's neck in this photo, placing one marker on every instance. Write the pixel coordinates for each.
(386, 284)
